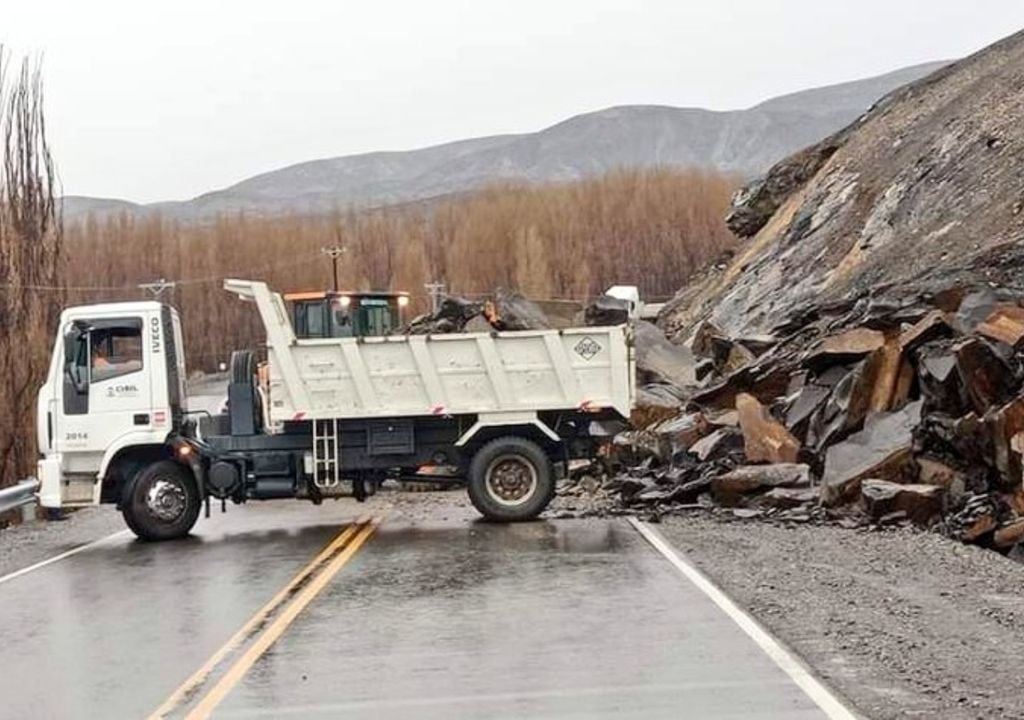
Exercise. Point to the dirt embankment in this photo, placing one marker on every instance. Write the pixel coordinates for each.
(924, 192)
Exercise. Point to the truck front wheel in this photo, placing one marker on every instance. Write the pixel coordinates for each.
(511, 479)
(163, 503)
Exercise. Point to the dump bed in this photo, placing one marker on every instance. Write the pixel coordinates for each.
(588, 368)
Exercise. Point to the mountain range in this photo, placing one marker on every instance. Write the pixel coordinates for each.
(745, 142)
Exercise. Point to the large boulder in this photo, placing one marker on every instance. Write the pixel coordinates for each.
(658, 360)
(786, 498)
(453, 313)
(748, 479)
(764, 438)
(882, 450)
(655, 402)
(717, 445)
(510, 310)
(679, 434)
(920, 503)
(606, 310)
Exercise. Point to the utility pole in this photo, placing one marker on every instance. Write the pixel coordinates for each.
(156, 289)
(436, 291)
(334, 252)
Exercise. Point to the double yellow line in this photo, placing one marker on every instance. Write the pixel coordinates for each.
(294, 596)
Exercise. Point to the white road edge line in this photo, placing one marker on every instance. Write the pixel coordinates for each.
(798, 672)
(57, 558)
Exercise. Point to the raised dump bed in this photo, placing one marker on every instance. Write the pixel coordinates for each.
(588, 369)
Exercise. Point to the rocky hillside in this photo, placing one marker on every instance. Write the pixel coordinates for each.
(745, 142)
(923, 193)
(861, 360)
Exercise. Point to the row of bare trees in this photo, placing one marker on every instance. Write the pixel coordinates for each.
(30, 247)
(652, 228)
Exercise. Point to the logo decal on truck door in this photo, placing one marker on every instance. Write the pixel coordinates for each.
(123, 391)
(587, 348)
(154, 333)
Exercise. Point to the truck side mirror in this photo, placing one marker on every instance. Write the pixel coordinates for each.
(73, 339)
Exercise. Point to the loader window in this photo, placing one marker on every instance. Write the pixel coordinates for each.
(377, 316)
(311, 318)
(115, 349)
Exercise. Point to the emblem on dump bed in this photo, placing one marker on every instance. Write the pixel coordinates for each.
(587, 348)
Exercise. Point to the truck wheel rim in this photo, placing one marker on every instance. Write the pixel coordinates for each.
(511, 480)
(165, 500)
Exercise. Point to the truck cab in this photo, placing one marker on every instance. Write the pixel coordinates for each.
(113, 394)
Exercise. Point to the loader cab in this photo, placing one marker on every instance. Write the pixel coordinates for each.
(116, 376)
(346, 314)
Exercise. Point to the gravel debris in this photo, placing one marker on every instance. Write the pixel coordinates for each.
(903, 623)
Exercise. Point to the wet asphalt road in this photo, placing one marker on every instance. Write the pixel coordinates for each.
(434, 617)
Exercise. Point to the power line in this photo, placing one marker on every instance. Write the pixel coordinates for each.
(174, 283)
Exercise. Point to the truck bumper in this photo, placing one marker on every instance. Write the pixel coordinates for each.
(48, 472)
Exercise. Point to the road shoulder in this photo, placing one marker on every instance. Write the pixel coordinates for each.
(29, 543)
(904, 624)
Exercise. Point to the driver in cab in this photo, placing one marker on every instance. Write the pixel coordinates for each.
(105, 365)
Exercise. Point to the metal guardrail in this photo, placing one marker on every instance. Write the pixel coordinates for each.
(22, 495)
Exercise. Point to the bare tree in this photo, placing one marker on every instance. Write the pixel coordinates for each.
(30, 245)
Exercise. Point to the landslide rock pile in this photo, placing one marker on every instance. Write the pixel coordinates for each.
(861, 358)
(506, 310)
(452, 315)
(878, 414)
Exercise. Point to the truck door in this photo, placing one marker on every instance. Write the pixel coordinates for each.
(107, 389)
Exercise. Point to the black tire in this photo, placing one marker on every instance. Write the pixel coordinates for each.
(179, 513)
(243, 366)
(518, 503)
(243, 372)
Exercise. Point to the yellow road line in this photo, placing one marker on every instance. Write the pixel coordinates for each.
(274, 631)
(199, 676)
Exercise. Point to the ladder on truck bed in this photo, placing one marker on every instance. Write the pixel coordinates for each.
(326, 453)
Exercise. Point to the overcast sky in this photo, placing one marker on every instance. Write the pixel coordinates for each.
(155, 101)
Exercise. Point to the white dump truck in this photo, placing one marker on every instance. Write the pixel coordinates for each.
(322, 417)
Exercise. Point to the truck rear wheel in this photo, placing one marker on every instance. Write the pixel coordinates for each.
(511, 479)
(243, 366)
(163, 503)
